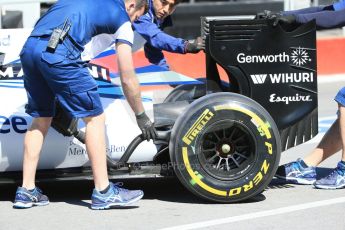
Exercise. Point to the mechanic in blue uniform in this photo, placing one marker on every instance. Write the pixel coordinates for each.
(149, 30)
(326, 17)
(303, 171)
(53, 71)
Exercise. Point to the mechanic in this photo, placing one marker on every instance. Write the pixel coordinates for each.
(326, 17)
(53, 71)
(149, 29)
(304, 171)
(149, 33)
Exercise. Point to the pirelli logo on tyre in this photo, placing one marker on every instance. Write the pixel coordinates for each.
(200, 123)
(254, 182)
(263, 127)
(225, 148)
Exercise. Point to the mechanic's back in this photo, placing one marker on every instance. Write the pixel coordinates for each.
(92, 18)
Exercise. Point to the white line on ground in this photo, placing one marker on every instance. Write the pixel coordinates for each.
(255, 215)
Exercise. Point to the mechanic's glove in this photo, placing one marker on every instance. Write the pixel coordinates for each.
(266, 14)
(277, 17)
(146, 126)
(195, 46)
(284, 19)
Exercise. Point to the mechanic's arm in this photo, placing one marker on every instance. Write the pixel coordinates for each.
(155, 56)
(308, 10)
(325, 19)
(129, 80)
(131, 89)
(161, 40)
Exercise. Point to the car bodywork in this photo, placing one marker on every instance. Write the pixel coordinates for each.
(66, 152)
(259, 81)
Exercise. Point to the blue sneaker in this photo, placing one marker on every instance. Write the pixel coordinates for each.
(115, 197)
(294, 172)
(335, 180)
(26, 199)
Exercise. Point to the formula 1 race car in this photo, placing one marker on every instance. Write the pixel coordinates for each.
(221, 135)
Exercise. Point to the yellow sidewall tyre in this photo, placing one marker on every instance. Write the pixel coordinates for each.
(225, 147)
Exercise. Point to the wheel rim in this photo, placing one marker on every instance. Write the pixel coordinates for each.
(226, 150)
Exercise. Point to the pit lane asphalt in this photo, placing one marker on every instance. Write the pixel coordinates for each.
(167, 204)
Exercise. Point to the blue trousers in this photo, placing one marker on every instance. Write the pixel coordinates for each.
(59, 75)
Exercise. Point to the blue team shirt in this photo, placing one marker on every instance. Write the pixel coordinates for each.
(88, 19)
(339, 5)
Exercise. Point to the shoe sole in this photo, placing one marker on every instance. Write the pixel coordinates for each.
(328, 187)
(21, 205)
(296, 180)
(112, 205)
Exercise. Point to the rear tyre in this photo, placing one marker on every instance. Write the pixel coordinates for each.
(186, 93)
(225, 148)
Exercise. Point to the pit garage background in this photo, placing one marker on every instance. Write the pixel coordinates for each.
(186, 19)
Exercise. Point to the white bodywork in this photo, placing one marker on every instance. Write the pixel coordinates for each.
(59, 151)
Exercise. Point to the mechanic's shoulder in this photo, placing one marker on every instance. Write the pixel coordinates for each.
(145, 18)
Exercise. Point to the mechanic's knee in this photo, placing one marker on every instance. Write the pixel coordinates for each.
(98, 118)
(41, 123)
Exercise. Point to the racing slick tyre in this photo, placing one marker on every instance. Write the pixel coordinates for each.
(225, 147)
(185, 93)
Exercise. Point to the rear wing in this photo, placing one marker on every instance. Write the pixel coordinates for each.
(275, 66)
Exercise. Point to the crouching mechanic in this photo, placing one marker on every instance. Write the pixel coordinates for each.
(53, 71)
(149, 31)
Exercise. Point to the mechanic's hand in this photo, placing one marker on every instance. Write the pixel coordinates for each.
(146, 126)
(284, 19)
(276, 17)
(266, 14)
(195, 46)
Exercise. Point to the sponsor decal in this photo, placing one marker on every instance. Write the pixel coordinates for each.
(258, 78)
(116, 149)
(287, 99)
(11, 72)
(298, 57)
(278, 58)
(200, 123)
(76, 149)
(5, 41)
(13, 124)
(256, 180)
(279, 78)
(99, 72)
(263, 127)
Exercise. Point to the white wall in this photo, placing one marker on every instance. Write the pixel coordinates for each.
(30, 8)
(296, 4)
(299, 4)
